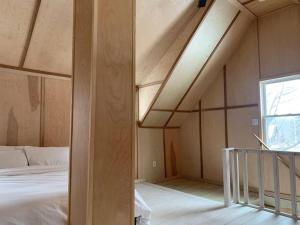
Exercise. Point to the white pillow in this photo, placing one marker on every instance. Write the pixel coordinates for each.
(47, 156)
(12, 157)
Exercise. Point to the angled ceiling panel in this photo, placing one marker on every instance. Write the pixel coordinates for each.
(196, 53)
(15, 17)
(178, 119)
(214, 66)
(146, 96)
(51, 43)
(156, 119)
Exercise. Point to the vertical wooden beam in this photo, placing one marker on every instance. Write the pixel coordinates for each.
(236, 177)
(165, 152)
(258, 49)
(30, 31)
(225, 105)
(42, 113)
(226, 177)
(276, 182)
(260, 175)
(245, 177)
(201, 141)
(293, 185)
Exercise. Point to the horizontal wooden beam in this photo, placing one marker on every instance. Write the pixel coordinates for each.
(231, 107)
(175, 111)
(150, 84)
(7, 69)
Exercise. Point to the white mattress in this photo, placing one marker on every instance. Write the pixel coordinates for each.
(37, 195)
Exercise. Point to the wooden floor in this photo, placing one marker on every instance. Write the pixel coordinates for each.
(183, 202)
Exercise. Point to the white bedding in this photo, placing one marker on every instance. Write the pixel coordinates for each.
(37, 195)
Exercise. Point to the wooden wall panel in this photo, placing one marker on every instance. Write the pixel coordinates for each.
(178, 119)
(213, 143)
(172, 152)
(154, 36)
(190, 147)
(15, 21)
(57, 109)
(243, 71)
(51, 44)
(151, 148)
(279, 36)
(214, 96)
(20, 110)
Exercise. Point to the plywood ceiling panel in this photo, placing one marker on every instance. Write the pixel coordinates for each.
(195, 55)
(15, 17)
(260, 8)
(214, 66)
(178, 119)
(146, 96)
(156, 119)
(51, 44)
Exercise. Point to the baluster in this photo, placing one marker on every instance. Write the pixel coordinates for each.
(246, 186)
(276, 182)
(260, 167)
(226, 177)
(293, 184)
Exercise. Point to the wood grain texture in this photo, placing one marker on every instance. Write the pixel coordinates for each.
(260, 8)
(279, 42)
(15, 22)
(114, 114)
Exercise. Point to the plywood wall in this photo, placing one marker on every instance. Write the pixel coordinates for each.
(269, 49)
(34, 111)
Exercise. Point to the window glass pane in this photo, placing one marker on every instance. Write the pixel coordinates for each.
(283, 97)
(283, 133)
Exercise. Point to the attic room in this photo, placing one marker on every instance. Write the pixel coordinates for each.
(163, 112)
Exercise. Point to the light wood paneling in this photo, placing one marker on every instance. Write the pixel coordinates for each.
(151, 148)
(57, 108)
(217, 61)
(156, 119)
(165, 64)
(15, 21)
(260, 8)
(154, 36)
(146, 96)
(209, 32)
(172, 152)
(20, 98)
(190, 147)
(243, 71)
(178, 119)
(114, 114)
(51, 44)
(213, 127)
(279, 42)
(214, 95)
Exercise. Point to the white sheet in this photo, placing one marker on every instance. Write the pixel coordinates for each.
(37, 195)
(34, 196)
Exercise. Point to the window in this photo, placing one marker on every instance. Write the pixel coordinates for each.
(280, 102)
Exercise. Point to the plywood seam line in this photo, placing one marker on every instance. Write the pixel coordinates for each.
(204, 66)
(30, 32)
(176, 61)
(225, 105)
(200, 141)
(42, 113)
(156, 127)
(176, 111)
(275, 10)
(40, 73)
(245, 5)
(230, 107)
(150, 84)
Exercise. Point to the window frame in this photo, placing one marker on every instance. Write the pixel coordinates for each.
(263, 105)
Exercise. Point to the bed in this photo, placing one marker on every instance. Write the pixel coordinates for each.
(35, 191)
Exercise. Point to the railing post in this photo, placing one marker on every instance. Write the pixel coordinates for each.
(236, 177)
(226, 177)
(293, 184)
(245, 181)
(276, 182)
(260, 168)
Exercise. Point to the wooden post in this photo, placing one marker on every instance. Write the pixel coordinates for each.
(260, 175)
(245, 178)
(276, 182)
(102, 171)
(226, 177)
(236, 177)
(293, 184)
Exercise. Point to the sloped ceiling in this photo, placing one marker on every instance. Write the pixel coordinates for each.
(36, 36)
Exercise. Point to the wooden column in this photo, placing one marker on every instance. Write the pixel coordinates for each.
(102, 168)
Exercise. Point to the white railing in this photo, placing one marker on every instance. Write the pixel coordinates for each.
(232, 183)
